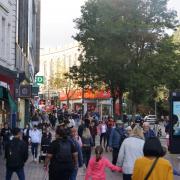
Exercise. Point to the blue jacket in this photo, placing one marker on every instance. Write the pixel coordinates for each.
(116, 137)
(149, 134)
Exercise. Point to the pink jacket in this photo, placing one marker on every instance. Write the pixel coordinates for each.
(96, 170)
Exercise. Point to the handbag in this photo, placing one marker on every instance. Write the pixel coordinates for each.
(151, 169)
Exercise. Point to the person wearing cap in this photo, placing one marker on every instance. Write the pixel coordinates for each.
(116, 138)
(148, 132)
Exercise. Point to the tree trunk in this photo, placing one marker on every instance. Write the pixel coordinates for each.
(68, 102)
(114, 106)
(120, 95)
(134, 110)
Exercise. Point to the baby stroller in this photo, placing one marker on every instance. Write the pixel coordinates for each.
(45, 142)
(43, 153)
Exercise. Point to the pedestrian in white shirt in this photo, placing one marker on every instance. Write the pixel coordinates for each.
(103, 133)
(35, 138)
(131, 149)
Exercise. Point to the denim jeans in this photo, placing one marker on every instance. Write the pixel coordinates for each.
(115, 155)
(34, 148)
(19, 172)
(86, 151)
(74, 174)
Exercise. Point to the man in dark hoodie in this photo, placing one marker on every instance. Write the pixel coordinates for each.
(16, 154)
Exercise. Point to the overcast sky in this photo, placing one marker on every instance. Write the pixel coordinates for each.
(57, 16)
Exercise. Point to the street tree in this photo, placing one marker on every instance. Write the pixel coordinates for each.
(64, 84)
(118, 37)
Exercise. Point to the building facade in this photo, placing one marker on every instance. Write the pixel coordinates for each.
(19, 57)
(27, 54)
(55, 62)
(7, 59)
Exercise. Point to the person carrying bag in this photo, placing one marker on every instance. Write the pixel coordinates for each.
(151, 169)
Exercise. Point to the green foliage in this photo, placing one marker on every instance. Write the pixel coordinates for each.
(124, 44)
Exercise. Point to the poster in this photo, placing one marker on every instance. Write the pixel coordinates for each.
(176, 118)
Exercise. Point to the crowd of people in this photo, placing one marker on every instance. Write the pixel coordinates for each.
(136, 151)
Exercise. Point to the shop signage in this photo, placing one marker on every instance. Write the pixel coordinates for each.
(35, 91)
(39, 79)
(25, 91)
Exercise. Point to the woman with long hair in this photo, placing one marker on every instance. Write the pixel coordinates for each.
(97, 166)
(87, 144)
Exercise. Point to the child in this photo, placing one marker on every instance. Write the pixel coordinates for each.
(97, 165)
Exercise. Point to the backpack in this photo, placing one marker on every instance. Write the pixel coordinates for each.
(14, 158)
(64, 155)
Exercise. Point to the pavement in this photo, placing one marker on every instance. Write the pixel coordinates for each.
(35, 171)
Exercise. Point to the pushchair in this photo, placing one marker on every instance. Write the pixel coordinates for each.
(43, 153)
(45, 142)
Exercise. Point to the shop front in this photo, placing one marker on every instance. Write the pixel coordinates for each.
(98, 101)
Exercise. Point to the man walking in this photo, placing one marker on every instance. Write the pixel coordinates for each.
(16, 154)
(62, 155)
(5, 133)
(35, 136)
(116, 138)
(148, 132)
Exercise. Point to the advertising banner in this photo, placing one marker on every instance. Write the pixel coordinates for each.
(174, 134)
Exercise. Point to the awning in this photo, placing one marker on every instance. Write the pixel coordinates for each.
(12, 103)
(5, 95)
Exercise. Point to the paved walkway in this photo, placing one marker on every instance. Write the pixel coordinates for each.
(35, 171)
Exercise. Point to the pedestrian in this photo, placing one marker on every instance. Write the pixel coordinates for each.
(103, 133)
(152, 165)
(35, 139)
(148, 132)
(81, 127)
(110, 125)
(5, 133)
(87, 144)
(116, 138)
(79, 151)
(52, 120)
(16, 154)
(46, 140)
(26, 134)
(131, 149)
(35, 119)
(93, 130)
(128, 131)
(71, 123)
(62, 156)
(97, 166)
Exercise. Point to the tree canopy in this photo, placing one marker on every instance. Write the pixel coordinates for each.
(126, 46)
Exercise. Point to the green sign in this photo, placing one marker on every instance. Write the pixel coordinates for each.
(39, 79)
